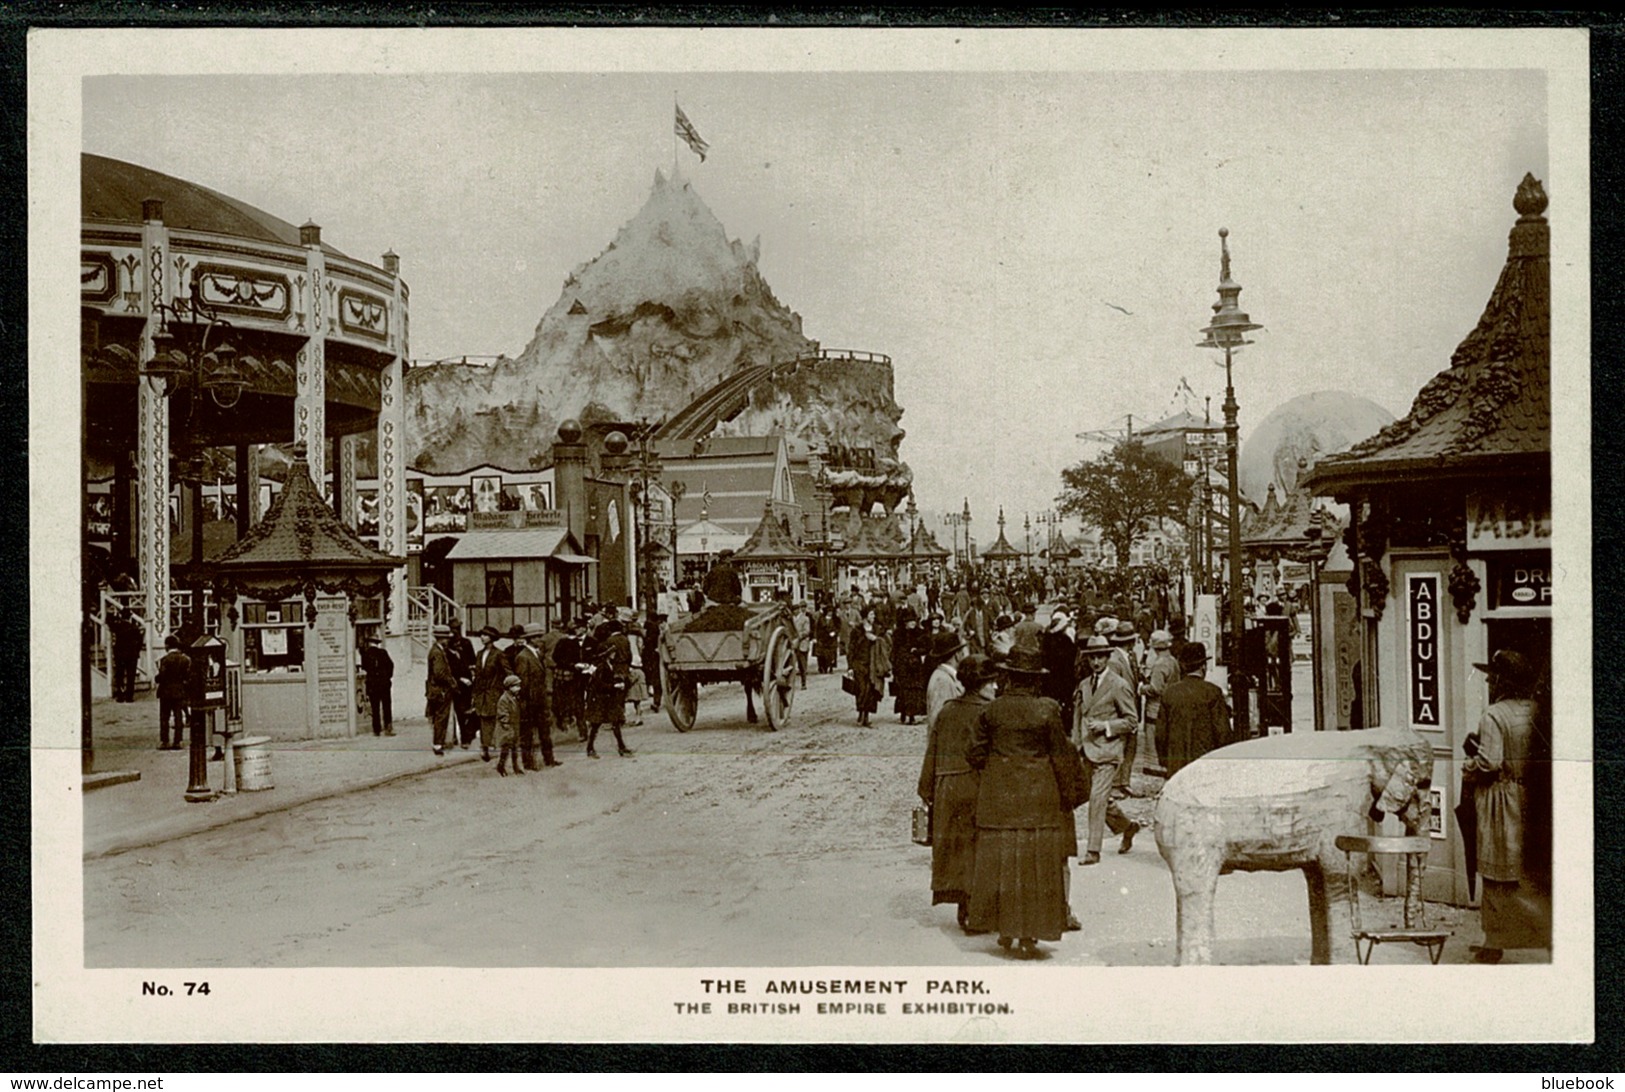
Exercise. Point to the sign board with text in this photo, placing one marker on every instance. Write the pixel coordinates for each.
(334, 676)
(1520, 580)
(1422, 648)
(1508, 521)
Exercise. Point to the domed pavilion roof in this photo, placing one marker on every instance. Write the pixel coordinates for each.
(112, 190)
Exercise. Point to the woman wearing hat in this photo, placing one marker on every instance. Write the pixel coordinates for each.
(1507, 770)
(606, 687)
(507, 726)
(1031, 780)
(947, 650)
(948, 785)
(908, 656)
(869, 656)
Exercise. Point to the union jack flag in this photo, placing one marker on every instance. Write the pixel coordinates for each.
(691, 136)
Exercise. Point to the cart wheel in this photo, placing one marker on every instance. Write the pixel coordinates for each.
(682, 698)
(778, 679)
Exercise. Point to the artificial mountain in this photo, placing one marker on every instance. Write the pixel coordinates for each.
(670, 308)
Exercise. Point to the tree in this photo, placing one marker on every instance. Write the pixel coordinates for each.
(1123, 492)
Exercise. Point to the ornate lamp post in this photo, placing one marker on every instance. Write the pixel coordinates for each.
(952, 521)
(964, 517)
(647, 469)
(193, 352)
(1027, 554)
(1228, 331)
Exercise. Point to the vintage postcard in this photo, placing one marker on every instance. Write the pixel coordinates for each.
(946, 535)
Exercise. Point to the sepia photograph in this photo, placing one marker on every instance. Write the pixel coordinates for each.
(797, 536)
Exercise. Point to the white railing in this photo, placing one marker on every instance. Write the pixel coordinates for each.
(135, 603)
(427, 607)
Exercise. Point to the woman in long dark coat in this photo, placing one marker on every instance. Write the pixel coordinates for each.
(948, 785)
(1032, 779)
(859, 656)
(908, 651)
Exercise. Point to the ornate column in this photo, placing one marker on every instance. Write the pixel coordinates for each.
(152, 436)
(310, 400)
(391, 458)
(344, 480)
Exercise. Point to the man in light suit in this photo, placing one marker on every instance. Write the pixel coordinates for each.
(1105, 713)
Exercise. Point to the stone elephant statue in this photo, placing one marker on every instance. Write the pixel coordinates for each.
(1278, 803)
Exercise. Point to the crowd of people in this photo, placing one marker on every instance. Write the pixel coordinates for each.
(519, 689)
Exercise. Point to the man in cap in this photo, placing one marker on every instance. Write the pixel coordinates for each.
(534, 700)
(380, 669)
(490, 669)
(1105, 714)
(440, 687)
(1194, 717)
(461, 651)
(947, 649)
(804, 631)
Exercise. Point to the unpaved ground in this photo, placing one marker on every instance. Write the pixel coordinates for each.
(725, 846)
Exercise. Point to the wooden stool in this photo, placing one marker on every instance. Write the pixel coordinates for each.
(1415, 849)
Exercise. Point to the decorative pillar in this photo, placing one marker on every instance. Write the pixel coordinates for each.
(152, 437)
(391, 464)
(310, 400)
(124, 466)
(344, 502)
(570, 478)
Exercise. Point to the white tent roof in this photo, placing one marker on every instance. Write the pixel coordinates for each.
(708, 537)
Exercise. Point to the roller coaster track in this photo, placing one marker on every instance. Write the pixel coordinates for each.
(727, 399)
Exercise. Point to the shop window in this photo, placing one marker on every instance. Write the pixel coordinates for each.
(274, 637)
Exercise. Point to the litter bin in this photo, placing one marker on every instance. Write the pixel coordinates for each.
(252, 758)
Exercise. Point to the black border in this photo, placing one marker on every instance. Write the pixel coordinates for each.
(21, 1056)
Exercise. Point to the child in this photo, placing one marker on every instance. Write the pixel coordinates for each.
(507, 734)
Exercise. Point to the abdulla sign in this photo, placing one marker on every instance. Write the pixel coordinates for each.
(1422, 607)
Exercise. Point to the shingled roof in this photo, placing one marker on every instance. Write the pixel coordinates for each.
(1280, 524)
(770, 542)
(869, 544)
(1490, 411)
(300, 533)
(926, 544)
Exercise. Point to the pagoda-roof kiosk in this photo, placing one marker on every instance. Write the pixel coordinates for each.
(1451, 528)
(289, 587)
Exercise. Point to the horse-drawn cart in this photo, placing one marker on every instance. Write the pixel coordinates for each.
(753, 644)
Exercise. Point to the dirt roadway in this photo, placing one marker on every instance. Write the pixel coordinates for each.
(725, 846)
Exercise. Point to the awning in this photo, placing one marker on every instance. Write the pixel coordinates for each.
(573, 559)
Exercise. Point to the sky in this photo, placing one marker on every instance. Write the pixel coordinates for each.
(1036, 250)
